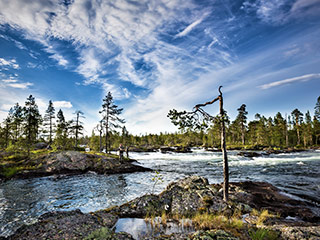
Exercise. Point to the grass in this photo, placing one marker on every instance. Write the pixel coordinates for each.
(262, 216)
(100, 234)
(263, 234)
(211, 221)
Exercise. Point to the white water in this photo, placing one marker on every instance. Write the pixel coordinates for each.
(23, 201)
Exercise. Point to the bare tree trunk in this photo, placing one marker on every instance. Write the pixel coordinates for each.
(223, 144)
(298, 133)
(224, 153)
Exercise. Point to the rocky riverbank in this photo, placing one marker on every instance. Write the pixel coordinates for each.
(245, 216)
(66, 162)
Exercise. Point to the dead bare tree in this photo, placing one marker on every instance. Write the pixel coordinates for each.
(192, 119)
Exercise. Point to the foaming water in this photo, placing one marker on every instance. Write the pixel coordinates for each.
(23, 201)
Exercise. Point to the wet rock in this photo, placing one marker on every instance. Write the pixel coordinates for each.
(289, 150)
(40, 145)
(177, 149)
(249, 154)
(64, 225)
(262, 195)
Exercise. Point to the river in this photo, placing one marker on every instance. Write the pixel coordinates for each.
(22, 201)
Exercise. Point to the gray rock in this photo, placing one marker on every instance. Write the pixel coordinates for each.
(65, 225)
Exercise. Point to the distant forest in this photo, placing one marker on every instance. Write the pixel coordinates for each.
(24, 127)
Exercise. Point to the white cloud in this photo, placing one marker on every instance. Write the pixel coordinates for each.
(62, 104)
(191, 26)
(282, 11)
(20, 85)
(60, 59)
(308, 6)
(10, 80)
(6, 107)
(9, 63)
(303, 78)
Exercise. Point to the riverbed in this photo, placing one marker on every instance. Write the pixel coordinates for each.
(22, 201)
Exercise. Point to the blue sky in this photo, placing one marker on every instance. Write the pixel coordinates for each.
(155, 55)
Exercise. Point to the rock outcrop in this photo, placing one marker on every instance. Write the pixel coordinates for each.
(190, 195)
(187, 198)
(69, 225)
(73, 162)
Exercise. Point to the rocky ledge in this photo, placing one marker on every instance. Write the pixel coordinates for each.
(191, 197)
(69, 162)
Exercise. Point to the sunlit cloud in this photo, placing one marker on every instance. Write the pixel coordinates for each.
(20, 85)
(9, 63)
(303, 78)
(62, 104)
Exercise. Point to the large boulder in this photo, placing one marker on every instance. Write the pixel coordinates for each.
(184, 197)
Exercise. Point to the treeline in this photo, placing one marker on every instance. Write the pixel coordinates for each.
(24, 127)
(293, 130)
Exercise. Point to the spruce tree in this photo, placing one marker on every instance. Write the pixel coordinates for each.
(61, 131)
(32, 121)
(48, 118)
(77, 126)
(110, 113)
(297, 116)
(7, 130)
(316, 121)
(17, 119)
(242, 120)
(317, 109)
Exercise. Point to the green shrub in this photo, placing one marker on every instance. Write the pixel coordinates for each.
(263, 234)
(100, 234)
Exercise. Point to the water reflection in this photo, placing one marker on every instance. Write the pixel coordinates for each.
(140, 228)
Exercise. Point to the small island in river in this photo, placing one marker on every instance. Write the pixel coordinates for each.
(45, 163)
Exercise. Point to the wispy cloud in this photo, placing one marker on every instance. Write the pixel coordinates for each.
(9, 63)
(303, 78)
(282, 11)
(62, 104)
(10, 80)
(14, 83)
(191, 26)
(20, 85)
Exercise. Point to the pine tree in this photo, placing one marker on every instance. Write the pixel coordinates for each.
(77, 126)
(110, 113)
(242, 120)
(61, 131)
(48, 118)
(32, 121)
(279, 130)
(7, 130)
(317, 109)
(17, 119)
(307, 130)
(297, 116)
(316, 121)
